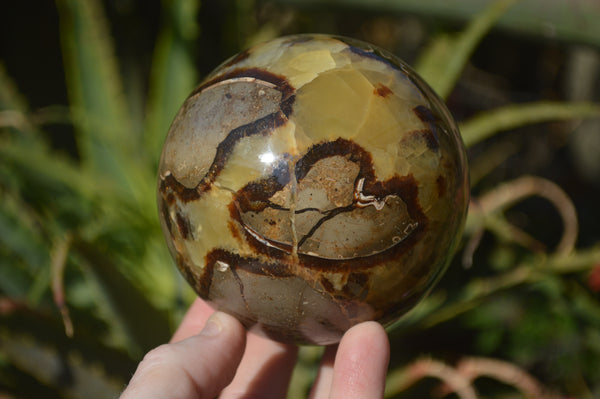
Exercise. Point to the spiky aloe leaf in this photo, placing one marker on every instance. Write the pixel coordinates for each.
(94, 86)
(79, 367)
(173, 71)
(444, 59)
(488, 123)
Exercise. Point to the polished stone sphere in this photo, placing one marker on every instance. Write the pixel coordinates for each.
(311, 183)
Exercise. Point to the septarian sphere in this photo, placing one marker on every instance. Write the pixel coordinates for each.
(311, 183)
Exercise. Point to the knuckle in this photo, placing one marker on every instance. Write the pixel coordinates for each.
(159, 356)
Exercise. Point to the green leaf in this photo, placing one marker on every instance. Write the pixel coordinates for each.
(529, 272)
(23, 252)
(144, 324)
(36, 157)
(489, 123)
(100, 113)
(10, 97)
(558, 20)
(173, 71)
(80, 367)
(442, 63)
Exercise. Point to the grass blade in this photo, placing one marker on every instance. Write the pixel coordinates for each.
(144, 325)
(78, 367)
(489, 123)
(442, 63)
(173, 71)
(94, 86)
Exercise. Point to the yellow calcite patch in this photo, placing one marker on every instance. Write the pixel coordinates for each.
(207, 216)
(344, 103)
(308, 65)
(293, 60)
(255, 157)
(333, 105)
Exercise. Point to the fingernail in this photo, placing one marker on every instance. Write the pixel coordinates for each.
(212, 327)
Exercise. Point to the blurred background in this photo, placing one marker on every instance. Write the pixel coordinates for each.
(88, 90)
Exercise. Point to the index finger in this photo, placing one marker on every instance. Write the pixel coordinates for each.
(197, 367)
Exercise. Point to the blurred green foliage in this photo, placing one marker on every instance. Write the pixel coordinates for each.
(87, 285)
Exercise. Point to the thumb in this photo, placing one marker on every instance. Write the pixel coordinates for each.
(197, 367)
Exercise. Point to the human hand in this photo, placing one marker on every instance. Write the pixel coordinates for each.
(211, 354)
